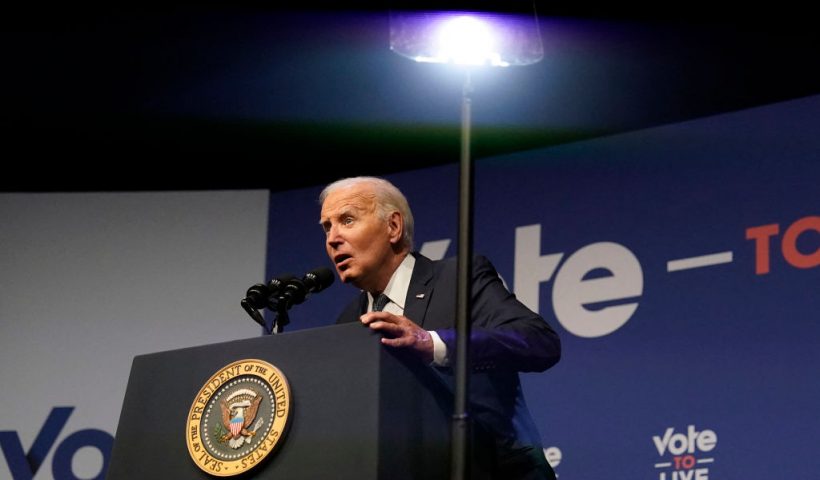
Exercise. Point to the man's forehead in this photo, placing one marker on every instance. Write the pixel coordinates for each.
(348, 199)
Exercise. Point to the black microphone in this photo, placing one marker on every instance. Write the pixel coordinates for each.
(318, 279)
(260, 295)
(296, 290)
(283, 292)
(276, 287)
(255, 298)
(257, 295)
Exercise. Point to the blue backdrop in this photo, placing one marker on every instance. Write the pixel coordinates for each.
(679, 264)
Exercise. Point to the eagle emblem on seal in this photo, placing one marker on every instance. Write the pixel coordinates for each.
(238, 414)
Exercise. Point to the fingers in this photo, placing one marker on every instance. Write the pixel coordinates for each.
(410, 339)
(400, 332)
(391, 325)
(371, 317)
(387, 328)
(418, 341)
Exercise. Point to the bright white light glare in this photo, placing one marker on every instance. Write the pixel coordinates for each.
(467, 40)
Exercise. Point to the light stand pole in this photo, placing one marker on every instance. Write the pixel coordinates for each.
(465, 39)
(461, 422)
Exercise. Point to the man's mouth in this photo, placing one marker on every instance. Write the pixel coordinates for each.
(340, 260)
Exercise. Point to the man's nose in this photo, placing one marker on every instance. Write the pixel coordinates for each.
(333, 237)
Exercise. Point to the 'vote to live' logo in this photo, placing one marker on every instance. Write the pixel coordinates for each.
(688, 454)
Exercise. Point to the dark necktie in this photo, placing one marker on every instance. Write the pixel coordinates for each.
(380, 302)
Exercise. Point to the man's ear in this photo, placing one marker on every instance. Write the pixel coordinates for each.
(395, 225)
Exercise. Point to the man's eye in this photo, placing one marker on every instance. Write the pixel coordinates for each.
(347, 220)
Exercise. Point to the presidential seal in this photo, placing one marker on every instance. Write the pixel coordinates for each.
(238, 417)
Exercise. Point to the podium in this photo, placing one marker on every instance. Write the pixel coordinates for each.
(359, 410)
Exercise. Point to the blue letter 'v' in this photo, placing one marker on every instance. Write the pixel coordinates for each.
(22, 466)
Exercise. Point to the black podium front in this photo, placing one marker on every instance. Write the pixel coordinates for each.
(359, 410)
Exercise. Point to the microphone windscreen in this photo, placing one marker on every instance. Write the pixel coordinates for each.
(276, 285)
(257, 295)
(319, 279)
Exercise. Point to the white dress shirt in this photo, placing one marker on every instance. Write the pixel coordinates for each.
(396, 291)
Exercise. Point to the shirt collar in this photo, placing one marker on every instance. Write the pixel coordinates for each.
(399, 283)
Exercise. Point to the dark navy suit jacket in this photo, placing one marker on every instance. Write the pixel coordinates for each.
(507, 338)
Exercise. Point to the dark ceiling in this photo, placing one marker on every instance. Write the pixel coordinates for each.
(226, 95)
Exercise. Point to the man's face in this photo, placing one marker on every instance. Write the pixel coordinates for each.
(358, 241)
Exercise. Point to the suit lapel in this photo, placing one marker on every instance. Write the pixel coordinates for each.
(419, 291)
(363, 301)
